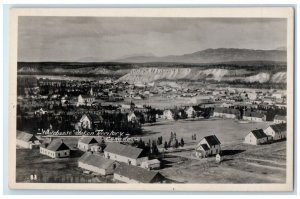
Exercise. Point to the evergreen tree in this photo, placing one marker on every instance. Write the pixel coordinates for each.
(166, 145)
(181, 142)
(176, 144)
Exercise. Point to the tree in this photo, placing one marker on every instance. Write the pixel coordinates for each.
(154, 148)
(166, 145)
(181, 142)
(159, 140)
(176, 144)
(171, 136)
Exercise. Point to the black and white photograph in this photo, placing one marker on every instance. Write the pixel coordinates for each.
(173, 100)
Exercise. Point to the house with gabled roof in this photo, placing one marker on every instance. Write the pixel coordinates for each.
(96, 163)
(133, 174)
(256, 137)
(27, 140)
(90, 121)
(192, 111)
(125, 153)
(209, 145)
(279, 119)
(85, 143)
(276, 131)
(169, 114)
(55, 149)
(131, 117)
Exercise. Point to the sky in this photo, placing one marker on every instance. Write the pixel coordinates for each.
(107, 39)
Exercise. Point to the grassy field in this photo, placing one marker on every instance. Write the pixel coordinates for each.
(228, 131)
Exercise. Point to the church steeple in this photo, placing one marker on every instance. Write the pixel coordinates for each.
(91, 92)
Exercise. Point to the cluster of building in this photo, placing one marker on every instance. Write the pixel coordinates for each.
(274, 132)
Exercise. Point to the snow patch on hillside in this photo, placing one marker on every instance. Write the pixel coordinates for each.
(279, 77)
(260, 77)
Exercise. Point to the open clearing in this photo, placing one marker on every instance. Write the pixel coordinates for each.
(228, 131)
(241, 164)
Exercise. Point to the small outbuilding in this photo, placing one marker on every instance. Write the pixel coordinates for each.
(279, 119)
(27, 140)
(151, 164)
(85, 143)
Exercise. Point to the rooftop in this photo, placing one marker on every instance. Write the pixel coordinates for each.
(25, 136)
(259, 133)
(124, 150)
(212, 140)
(95, 160)
(278, 127)
(137, 173)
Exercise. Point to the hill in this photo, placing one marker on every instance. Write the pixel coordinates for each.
(215, 56)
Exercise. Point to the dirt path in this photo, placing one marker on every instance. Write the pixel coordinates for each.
(265, 161)
(265, 166)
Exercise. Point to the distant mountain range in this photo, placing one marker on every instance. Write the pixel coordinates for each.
(214, 56)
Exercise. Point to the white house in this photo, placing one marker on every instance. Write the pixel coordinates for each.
(279, 119)
(252, 95)
(226, 105)
(277, 95)
(209, 145)
(168, 114)
(254, 116)
(125, 153)
(226, 113)
(97, 164)
(256, 137)
(276, 131)
(40, 112)
(85, 143)
(131, 117)
(27, 140)
(90, 121)
(55, 149)
(192, 111)
(134, 174)
(85, 100)
(151, 164)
